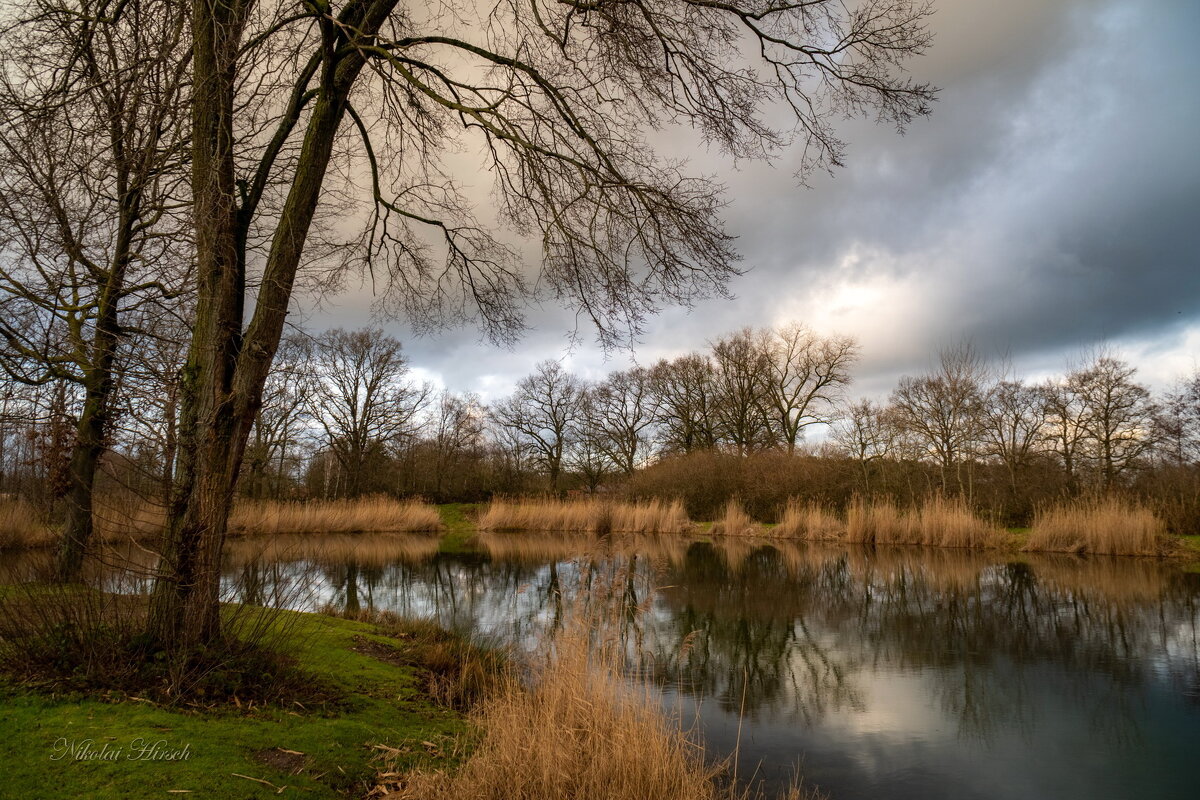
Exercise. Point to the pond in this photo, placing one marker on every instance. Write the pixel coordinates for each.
(886, 673)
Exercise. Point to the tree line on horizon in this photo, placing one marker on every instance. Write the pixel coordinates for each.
(342, 417)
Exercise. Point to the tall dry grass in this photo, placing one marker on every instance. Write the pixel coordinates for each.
(1101, 525)
(939, 522)
(585, 516)
(124, 515)
(114, 518)
(734, 521)
(809, 521)
(377, 514)
(22, 526)
(576, 728)
(878, 521)
(950, 523)
(578, 731)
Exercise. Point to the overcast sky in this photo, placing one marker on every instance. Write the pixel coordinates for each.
(1051, 203)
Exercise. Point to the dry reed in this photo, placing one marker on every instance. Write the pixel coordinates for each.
(123, 516)
(378, 514)
(22, 526)
(576, 727)
(579, 731)
(950, 523)
(809, 521)
(735, 522)
(585, 516)
(1101, 525)
(940, 522)
(878, 522)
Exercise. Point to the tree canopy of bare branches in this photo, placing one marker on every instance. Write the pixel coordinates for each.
(560, 98)
(93, 240)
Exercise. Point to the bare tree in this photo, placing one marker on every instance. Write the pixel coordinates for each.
(943, 409)
(685, 394)
(1065, 431)
(1118, 415)
(621, 413)
(559, 95)
(90, 182)
(1013, 419)
(456, 432)
(542, 413)
(589, 452)
(806, 374)
(742, 366)
(867, 433)
(280, 421)
(1178, 421)
(362, 398)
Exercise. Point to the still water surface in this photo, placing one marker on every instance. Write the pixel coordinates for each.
(898, 673)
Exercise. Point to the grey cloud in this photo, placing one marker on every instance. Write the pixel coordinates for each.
(1050, 201)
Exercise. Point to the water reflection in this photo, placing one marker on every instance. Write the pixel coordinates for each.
(893, 672)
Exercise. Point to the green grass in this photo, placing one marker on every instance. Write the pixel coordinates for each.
(385, 705)
(459, 519)
(1191, 552)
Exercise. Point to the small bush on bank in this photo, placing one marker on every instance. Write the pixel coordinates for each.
(78, 639)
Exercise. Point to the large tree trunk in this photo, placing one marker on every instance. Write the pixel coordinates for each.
(184, 607)
(226, 369)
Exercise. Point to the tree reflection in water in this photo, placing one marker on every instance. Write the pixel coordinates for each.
(783, 633)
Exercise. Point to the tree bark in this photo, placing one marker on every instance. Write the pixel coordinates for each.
(85, 461)
(226, 370)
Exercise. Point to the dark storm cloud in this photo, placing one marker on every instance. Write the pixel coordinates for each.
(1052, 200)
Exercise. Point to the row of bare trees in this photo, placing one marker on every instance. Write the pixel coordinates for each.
(1096, 423)
(749, 392)
(752, 389)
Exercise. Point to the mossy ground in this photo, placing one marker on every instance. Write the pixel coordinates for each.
(234, 752)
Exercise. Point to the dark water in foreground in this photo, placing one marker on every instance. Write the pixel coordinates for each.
(902, 673)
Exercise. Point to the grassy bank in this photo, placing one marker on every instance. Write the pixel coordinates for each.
(396, 706)
(382, 678)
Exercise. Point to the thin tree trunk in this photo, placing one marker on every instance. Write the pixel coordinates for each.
(85, 460)
(90, 430)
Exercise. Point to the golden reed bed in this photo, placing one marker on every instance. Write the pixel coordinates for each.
(1103, 526)
(121, 520)
(585, 516)
(1100, 525)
